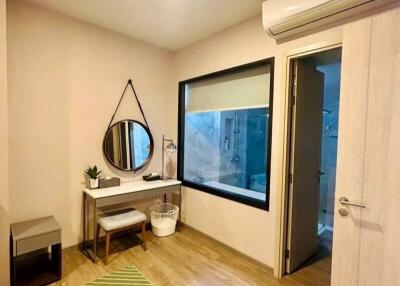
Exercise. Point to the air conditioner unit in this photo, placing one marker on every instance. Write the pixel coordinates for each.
(284, 19)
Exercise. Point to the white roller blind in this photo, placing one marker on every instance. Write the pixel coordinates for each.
(246, 89)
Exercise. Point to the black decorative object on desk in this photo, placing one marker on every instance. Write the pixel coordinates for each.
(151, 177)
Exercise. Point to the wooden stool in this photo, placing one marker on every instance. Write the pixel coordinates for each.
(118, 221)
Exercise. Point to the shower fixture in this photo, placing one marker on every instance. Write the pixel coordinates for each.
(329, 113)
(171, 147)
(236, 130)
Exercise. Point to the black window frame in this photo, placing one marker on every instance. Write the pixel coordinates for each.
(181, 135)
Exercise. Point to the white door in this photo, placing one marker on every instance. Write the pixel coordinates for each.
(366, 244)
(305, 164)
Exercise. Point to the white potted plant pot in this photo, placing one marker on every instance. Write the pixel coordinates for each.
(94, 183)
(93, 176)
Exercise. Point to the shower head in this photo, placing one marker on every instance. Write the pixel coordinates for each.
(171, 146)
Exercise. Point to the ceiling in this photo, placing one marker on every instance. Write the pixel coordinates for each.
(171, 24)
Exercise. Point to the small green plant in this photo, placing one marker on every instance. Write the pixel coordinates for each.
(93, 173)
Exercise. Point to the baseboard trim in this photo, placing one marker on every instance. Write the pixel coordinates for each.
(230, 248)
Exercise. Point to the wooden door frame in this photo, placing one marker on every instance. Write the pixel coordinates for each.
(282, 196)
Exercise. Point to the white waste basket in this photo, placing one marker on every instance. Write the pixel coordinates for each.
(163, 218)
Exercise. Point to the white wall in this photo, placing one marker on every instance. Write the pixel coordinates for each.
(4, 196)
(65, 80)
(247, 229)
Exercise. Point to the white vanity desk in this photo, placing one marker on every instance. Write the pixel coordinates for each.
(126, 192)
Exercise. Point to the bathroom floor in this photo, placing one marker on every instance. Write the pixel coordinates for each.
(325, 240)
(188, 258)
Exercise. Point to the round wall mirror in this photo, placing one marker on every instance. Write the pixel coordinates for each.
(128, 145)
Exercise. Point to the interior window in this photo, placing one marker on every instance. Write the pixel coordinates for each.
(225, 130)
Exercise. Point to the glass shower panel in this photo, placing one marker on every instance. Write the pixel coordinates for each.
(328, 167)
(323, 198)
(228, 150)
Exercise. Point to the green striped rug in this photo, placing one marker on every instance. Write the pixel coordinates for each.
(128, 276)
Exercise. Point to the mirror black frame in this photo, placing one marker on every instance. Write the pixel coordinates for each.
(150, 151)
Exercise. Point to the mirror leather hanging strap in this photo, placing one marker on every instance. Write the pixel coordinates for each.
(137, 100)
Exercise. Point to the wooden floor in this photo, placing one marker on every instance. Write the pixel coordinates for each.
(188, 258)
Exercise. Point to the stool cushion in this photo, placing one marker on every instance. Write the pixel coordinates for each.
(121, 220)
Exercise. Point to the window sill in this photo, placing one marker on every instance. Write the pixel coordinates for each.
(263, 205)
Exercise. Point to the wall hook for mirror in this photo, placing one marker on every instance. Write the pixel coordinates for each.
(129, 83)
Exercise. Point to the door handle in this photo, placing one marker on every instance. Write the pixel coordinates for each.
(320, 173)
(345, 201)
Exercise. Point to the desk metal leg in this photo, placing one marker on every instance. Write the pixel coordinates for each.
(86, 234)
(180, 208)
(94, 231)
(84, 222)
